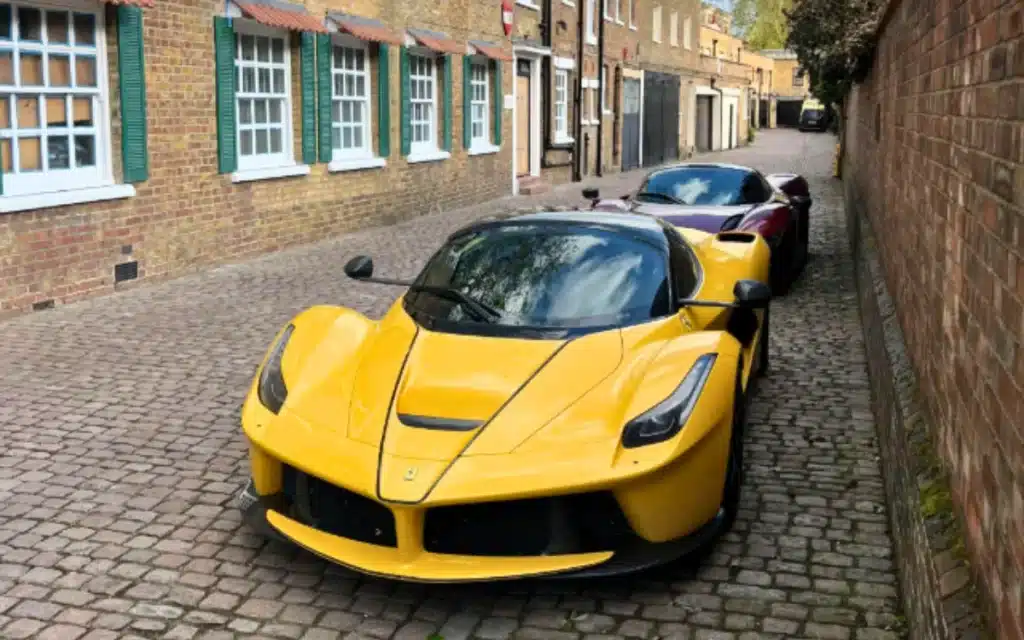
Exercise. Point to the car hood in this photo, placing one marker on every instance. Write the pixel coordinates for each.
(704, 218)
(426, 397)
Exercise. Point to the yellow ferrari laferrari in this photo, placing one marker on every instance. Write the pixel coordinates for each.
(555, 394)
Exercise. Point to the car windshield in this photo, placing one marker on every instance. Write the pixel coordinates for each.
(713, 186)
(815, 113)
(546, 277)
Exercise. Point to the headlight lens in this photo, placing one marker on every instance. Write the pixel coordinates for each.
(271, 388)
(665, 419)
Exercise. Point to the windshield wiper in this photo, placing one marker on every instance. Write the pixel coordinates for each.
(663, 196)
(479, 310)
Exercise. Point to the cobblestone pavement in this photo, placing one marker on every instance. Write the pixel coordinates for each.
(121, 454)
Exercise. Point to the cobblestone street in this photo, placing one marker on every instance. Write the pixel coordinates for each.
(121, 455)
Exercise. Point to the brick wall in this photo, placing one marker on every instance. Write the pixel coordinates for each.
(187, 216)
(934, 162)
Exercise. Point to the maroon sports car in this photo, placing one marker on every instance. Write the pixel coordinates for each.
(716, 197)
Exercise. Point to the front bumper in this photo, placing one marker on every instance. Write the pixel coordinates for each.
(405, 557)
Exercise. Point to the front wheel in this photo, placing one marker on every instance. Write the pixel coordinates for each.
(762, 347)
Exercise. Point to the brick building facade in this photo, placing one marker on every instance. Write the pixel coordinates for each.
(145, 139)
(934, 171)
(204, 134)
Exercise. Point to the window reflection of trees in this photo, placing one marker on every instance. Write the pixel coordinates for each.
(540, 277)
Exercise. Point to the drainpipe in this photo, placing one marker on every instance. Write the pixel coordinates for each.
(600, 87)
(546, 75)
(721, 110)
(577, 161)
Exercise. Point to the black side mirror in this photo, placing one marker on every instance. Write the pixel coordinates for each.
(591, 193)
(359, 267)
(752, 294)
(626, 196)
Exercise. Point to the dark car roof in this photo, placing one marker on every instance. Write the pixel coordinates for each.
(647, 227)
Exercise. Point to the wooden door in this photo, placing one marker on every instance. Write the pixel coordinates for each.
(522, 121)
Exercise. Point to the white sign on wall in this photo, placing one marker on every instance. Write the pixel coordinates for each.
(509, 102)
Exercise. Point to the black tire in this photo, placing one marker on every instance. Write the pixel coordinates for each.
(781, 273)
(734, 466)
(763, 357)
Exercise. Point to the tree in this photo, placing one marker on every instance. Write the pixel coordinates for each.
(762, 23)
(835, 42)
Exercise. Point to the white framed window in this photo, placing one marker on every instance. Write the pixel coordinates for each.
(593, 105)
(590, 18)
(263, 97)
(631, 12)
(656, 24)
(618, 10)
(562, 106)
(54, 132)
(687, 30)
(351, 130)
(423, 102)
(673, 29)
(479, 104)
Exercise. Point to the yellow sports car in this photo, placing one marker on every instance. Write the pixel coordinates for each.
(556, 393)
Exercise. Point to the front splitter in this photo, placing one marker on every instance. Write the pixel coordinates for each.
(635, 558)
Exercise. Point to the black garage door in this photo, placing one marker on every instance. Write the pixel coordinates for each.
(787, 113)
(661, 118)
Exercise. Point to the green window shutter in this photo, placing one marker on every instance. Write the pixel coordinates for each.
(446, 134)
(383, 101)
(307, 60)
(467, 102)
(132, 73)
(325, 95)
(498, 100)
(224, 49)
(406, 102)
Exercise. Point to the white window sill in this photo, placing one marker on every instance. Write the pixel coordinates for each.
(633, 27)
(9, 204)
(568, 3)
(483, 148)
(564, 139)
(355, 164)
(619, 22)
(592, 40)
(427, 156)
(250, 175)
(528, 5)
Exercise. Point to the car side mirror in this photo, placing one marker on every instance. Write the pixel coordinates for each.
(359, 267)
(626, 197)
(752, 294)
(591, 193)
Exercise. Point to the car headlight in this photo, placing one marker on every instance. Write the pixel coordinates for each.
(271, 389)
(664, 420)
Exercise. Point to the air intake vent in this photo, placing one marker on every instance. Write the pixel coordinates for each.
(126, 271)
(736, 236)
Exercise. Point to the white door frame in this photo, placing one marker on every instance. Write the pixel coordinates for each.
(533, 55)
(716, 114)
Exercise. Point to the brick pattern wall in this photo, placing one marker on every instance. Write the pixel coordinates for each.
(935, 160)
(187, 216)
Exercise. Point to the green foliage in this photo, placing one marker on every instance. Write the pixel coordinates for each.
(835, 42)
(762, 23)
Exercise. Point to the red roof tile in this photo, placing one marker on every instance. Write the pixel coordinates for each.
(492, 51)
(272, 16)
(366, 29)
(436, 41)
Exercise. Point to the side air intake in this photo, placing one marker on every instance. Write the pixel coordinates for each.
(741, 237)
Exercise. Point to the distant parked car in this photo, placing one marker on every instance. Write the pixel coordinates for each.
(715, 197)
(813, 116)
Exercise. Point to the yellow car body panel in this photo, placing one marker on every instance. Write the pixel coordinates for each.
(551, 416)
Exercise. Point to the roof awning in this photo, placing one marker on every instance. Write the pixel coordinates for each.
(148, 4)
(365, 28)
(436, 41)
(281, 15)
(490, 50)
